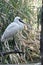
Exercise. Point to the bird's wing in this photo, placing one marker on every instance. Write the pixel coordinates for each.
(11, 25)
(10, 30)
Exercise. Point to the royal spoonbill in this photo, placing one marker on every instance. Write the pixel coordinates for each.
(12, 29)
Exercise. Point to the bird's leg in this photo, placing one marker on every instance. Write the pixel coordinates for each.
(15, 45)
(16, 48)
(6, 45)
(14, 41)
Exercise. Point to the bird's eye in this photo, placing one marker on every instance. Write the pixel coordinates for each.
(20, 20)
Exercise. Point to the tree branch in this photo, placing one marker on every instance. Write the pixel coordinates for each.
(10, 52)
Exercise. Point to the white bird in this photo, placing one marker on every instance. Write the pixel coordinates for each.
(12, 29)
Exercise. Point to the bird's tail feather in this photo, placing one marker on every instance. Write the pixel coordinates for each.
(2, 38)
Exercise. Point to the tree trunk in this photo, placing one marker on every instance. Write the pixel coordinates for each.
(41, 38)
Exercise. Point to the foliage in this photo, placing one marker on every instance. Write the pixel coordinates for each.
(27, 40)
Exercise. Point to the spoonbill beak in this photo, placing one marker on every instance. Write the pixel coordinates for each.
(21, 21)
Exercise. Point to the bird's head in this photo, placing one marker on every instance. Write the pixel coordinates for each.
(18, 19)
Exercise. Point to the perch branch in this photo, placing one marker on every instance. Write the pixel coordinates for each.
(10, 52)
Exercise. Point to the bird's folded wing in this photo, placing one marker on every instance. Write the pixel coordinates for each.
(10, 30)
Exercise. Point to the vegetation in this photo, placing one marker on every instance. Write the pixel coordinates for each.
(29, 39)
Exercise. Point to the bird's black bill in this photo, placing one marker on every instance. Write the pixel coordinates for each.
(21, 21)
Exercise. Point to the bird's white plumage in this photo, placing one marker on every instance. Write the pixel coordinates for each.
(12, 29)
